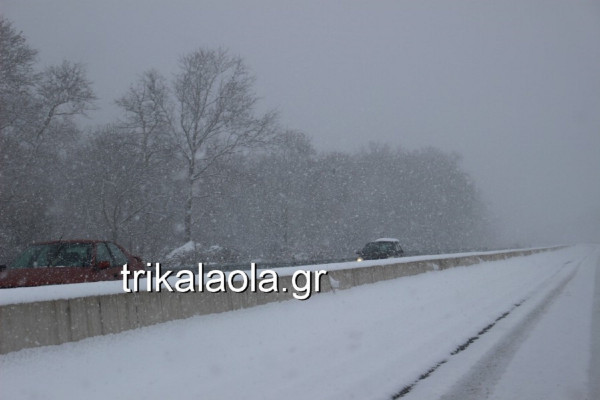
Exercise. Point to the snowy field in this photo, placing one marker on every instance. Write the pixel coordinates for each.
(515, 329)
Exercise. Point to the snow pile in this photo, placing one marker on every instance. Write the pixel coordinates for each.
(192, 253)
(182, 251)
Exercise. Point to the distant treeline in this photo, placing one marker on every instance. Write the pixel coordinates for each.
(192, 160)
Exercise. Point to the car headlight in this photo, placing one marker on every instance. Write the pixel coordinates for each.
(359, 259)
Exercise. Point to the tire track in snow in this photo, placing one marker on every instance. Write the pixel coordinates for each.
(479, 383)
(488, 370)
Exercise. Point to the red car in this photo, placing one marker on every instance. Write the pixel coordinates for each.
(68, 261)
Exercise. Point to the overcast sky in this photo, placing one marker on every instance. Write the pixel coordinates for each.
(511, 85)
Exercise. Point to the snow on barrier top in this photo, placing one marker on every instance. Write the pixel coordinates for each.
(76, 290)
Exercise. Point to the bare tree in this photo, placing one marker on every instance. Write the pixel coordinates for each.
(146, 117)
(213, 116)
(64, 91)
(17, 75)
(36, 114)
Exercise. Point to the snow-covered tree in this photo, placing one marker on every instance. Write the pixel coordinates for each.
(37, 111)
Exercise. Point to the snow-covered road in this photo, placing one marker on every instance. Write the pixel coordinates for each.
(542, 350)
(524, 326)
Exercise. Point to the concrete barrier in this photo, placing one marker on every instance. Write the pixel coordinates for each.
(25, 325)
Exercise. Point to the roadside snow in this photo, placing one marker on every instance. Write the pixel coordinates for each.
(361, 343)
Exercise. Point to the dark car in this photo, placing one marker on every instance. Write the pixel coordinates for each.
(381, 248)
(70, 261)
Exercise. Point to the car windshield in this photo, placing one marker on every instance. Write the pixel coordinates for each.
(60, 254)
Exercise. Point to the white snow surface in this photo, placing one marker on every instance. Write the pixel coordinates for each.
(368, 342)
(188, 247)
